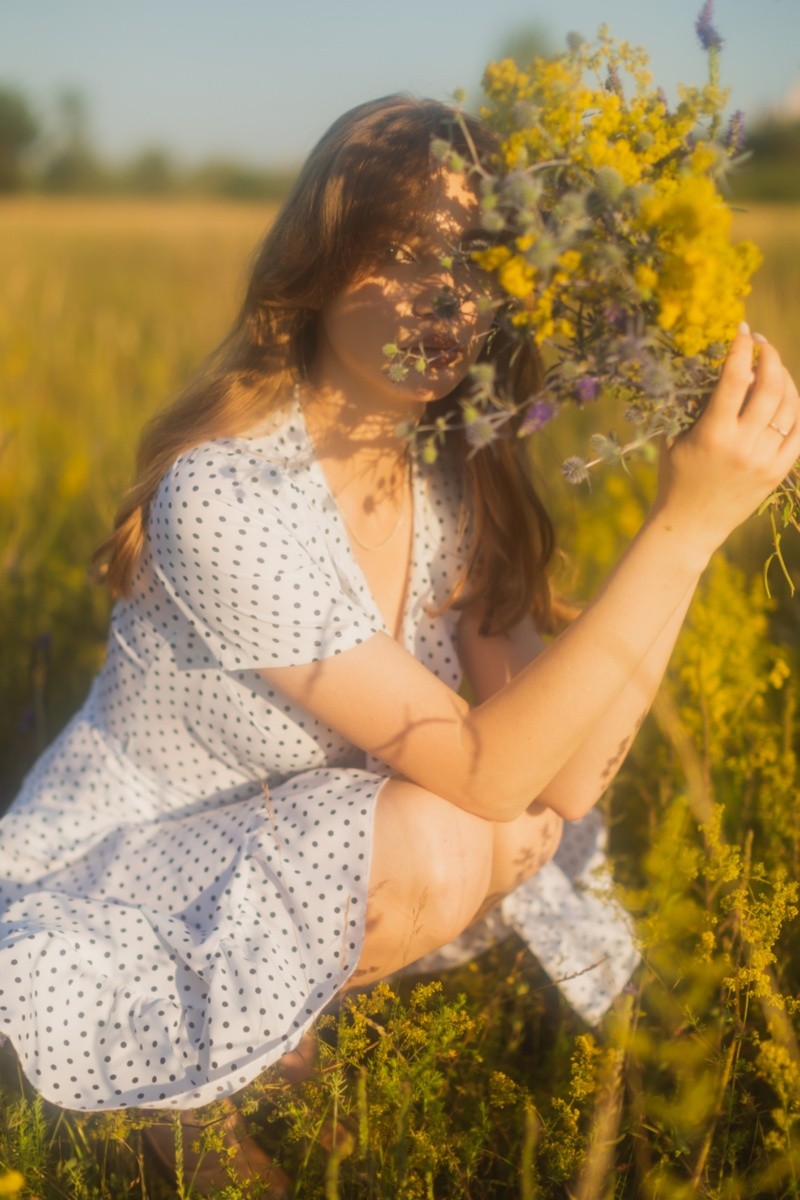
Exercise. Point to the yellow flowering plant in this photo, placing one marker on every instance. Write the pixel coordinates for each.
(609, 242)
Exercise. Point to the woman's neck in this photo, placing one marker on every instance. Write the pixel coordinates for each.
(359, 446)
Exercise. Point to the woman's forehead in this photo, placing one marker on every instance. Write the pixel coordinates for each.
(452, 206)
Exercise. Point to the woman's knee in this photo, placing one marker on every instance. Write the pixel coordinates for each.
(431, 857)
(523, 847)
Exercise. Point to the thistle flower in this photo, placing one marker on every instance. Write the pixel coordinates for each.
(445, 302)
(574, 470)
(406, 430)
(482, 426)
(736, 135)
(616, 260)
(710, 38)
(480, 432)
(606, 446)
(657, 378)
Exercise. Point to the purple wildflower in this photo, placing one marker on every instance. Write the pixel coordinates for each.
(735, 137)
(710, 38)
(587, 388)
(536, 417)
(613, 81)
(616, 316)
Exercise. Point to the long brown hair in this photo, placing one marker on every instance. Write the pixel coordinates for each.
(366, 180)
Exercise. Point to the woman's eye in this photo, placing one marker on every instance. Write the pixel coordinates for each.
(474, 245)
(400, 254)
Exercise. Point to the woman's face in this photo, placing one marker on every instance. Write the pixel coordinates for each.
(424, 297)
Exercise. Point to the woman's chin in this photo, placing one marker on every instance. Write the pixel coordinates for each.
(435, 383)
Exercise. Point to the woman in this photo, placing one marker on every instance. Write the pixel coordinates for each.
(274, 791)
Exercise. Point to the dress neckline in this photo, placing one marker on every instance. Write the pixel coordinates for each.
(302, 439)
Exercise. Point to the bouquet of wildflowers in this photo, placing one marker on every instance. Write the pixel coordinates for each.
(611, 245)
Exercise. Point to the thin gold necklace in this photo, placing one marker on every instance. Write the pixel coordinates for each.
(389, 536)
(356, 538)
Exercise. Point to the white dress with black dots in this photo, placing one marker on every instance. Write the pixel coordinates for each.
(183, 875)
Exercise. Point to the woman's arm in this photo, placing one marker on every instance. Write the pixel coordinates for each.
(492, 759)
(490, 663)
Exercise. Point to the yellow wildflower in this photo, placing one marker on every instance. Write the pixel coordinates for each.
(517, 277)
(703, 277)
(11, 1183)
(646, 280)
(492, 258)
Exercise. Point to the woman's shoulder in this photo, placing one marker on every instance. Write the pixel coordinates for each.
(261, 470)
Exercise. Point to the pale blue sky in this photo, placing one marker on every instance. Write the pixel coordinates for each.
(262, 79)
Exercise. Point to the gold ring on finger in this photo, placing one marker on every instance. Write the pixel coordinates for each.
(783, 432)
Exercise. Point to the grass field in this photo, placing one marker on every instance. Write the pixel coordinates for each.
(694, 1088)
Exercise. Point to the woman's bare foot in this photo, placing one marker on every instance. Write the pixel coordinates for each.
(301, 1063)
(213, 1160)
(297, 1066)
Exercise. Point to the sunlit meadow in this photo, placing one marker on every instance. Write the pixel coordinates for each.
(488, 1087)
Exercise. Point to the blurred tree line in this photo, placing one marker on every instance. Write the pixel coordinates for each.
(772, 175)
(63, 161)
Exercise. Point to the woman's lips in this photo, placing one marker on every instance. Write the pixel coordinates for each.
(437, 352)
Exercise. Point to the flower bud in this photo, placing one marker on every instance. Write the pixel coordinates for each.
(574, 470)
(610, 183)
(429, 451)
(483, 374)
(493, 221)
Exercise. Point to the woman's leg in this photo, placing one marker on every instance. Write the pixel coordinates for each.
(521, 848)
(434, 869)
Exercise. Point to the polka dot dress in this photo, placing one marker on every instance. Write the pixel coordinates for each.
(183, 876)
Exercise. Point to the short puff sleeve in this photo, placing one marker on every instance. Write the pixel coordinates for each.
(229, 546)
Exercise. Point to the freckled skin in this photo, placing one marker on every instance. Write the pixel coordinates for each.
(402, 300)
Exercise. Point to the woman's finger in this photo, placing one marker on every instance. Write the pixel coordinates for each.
(785, 423)
(788, 455)
(767, 393)
(736, 377)
(788, 410)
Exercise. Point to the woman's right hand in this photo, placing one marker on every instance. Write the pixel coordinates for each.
(717, 473)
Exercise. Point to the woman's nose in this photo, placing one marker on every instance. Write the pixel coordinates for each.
(437, 301)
